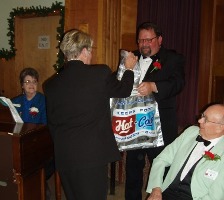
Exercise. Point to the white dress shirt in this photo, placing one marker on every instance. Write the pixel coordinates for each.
(196, 154)
(144, 66)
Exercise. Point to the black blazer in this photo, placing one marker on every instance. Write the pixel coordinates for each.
(78, 113)
(170, 81)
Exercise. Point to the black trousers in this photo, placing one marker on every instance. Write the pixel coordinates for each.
(135, 163)
(172, 195)
(85, 183)
(49, 168)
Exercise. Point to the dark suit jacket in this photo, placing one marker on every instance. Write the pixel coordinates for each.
(170, 82)
(79, 114)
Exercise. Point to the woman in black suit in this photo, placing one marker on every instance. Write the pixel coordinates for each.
(79, 120)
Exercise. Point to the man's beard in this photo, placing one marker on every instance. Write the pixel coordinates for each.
(145, 51)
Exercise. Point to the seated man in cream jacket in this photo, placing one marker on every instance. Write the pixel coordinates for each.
(196, 161)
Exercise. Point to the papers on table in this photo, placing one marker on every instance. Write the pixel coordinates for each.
(7, 102)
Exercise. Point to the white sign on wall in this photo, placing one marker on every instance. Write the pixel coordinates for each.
(44, 42)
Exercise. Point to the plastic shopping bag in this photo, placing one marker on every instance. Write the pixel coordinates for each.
(135, 119)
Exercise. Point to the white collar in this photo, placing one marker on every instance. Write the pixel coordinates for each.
(145, 60)
(216, 140)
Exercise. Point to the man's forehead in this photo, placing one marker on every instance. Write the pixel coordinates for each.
(215, 110)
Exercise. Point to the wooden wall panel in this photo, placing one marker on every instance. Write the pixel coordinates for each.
(128, 16)
(211, 63)
(7, 78)
(69, 14)
(128, 25)
(107, 21)
(218, 52)
(83, 13)
(218, 61)
(129, 41)
(218, 89)
(205, 54)
(112, 32)
(219, 34)
(3, 66)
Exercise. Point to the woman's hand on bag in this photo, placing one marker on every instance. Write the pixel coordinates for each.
(130, 61)
(146, 88)
(156, 194)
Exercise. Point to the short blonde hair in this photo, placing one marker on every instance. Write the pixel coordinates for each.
(74, 41)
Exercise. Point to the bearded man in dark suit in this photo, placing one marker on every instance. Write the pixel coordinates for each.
(162, 73)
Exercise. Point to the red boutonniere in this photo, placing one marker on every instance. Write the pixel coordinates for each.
(157, 65)
(210, 156)
(34, 111)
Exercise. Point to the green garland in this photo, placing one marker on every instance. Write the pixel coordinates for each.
(38, 12)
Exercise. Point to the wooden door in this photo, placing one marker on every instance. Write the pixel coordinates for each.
(33, 53)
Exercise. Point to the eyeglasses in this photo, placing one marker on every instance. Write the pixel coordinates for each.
(204, 117)
(147, 40)
(29, 82)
